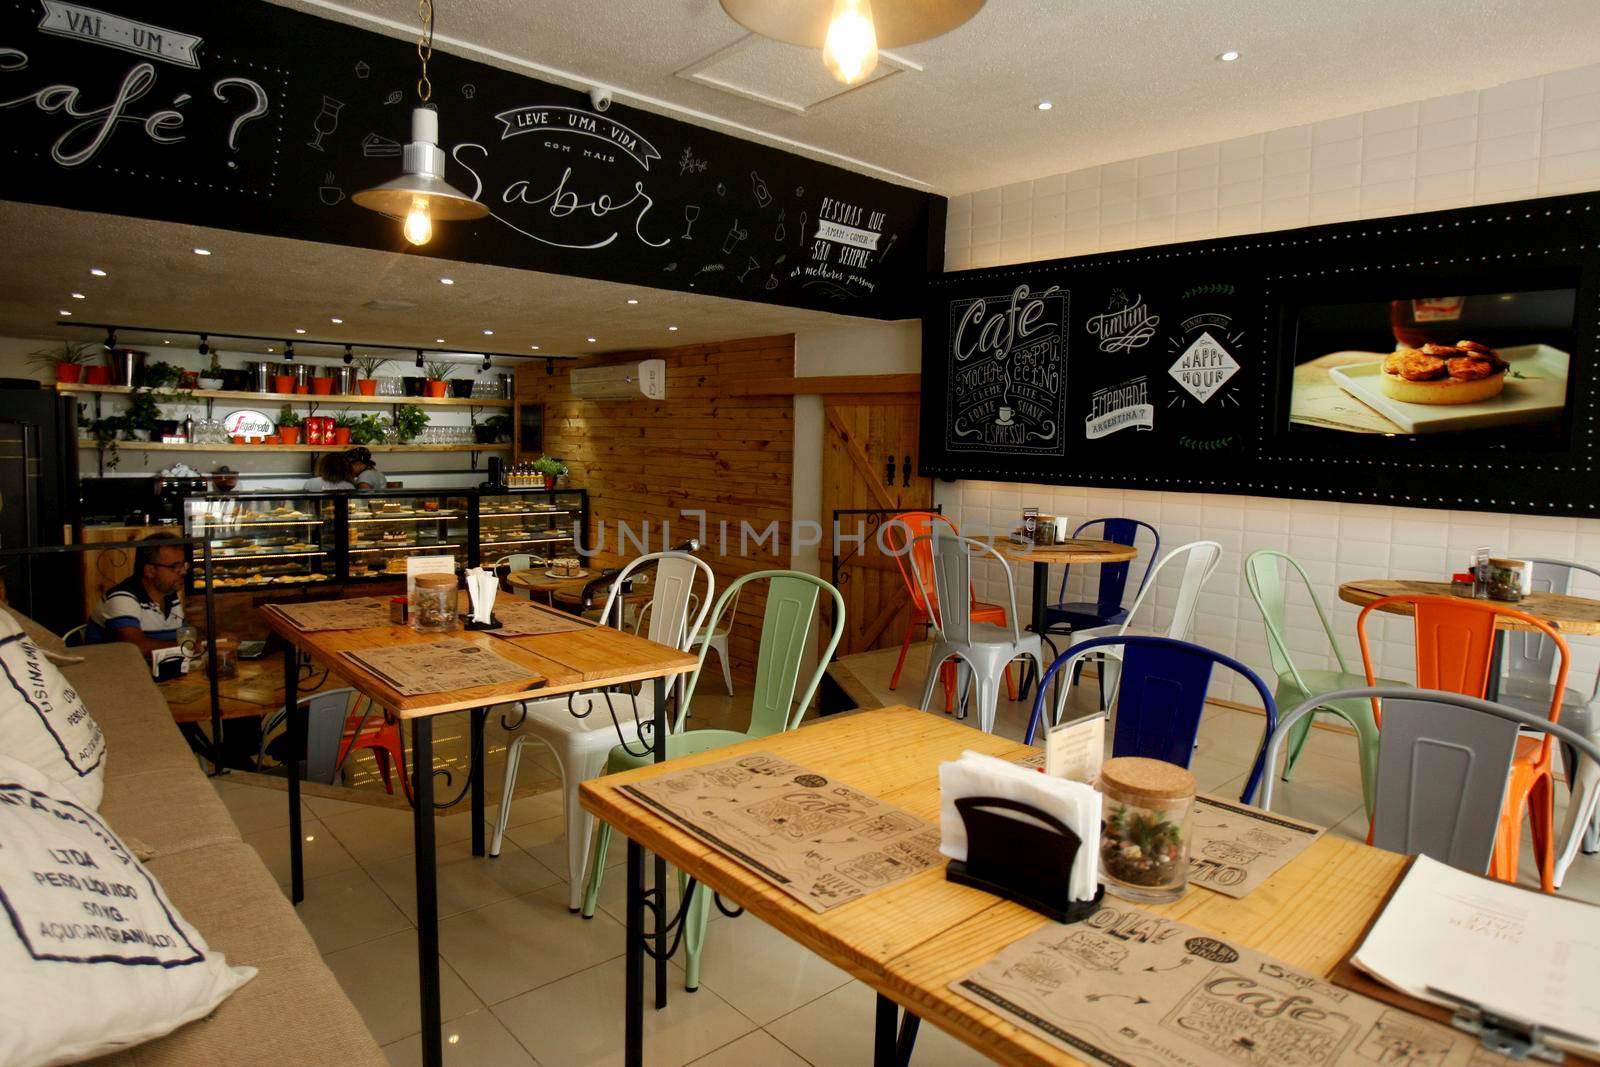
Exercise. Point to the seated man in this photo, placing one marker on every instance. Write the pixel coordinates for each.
(145, 609)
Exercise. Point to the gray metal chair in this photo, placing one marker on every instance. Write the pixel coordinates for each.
(981, 648)
(1443, 762)
(326, 714)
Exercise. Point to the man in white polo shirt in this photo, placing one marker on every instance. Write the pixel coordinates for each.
(145, 609)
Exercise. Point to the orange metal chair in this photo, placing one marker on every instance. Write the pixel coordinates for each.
(901, 533)
(1455, 647)
(381, 733)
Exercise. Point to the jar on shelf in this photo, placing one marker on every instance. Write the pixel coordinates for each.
(1506, 579)
(433, 603)
(1144, 840)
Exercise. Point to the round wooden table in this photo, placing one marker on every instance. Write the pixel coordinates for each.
(1075, 550)
(568, 590)
(1574, 615)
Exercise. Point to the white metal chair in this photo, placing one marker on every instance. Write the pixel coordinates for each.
(581, 745)
(1529, 663)
(983, 648)
(1199, 560)
(517, 561)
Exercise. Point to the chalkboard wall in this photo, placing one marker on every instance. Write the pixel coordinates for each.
(249, 116)
(1255, 365)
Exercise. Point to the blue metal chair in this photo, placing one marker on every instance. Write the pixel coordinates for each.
(1106, 609)
(1160, 698)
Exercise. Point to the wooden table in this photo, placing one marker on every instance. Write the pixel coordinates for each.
(255, 688)
(911, 939)
(1074, 550)
(1569, 614)
(591, 657)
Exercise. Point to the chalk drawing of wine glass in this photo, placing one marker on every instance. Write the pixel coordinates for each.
(690, 213)
(759, 187)
(753, 266)
(326, 122)
(735, 235)
(779, 230)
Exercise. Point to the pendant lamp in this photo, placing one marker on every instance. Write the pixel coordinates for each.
(850, 32)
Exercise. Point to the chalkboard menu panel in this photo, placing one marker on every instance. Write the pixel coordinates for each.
(250, 116)
(1435, 360)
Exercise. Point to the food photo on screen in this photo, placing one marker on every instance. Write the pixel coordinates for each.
(1481, 363)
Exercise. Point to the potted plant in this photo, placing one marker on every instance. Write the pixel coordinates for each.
(367, 430)
(158, 375)
(369, 366)
(211, 377)
(341, 429)
(142, 417)
(283, 383)
(67, 361)
(552, 469)
(438, 370)
(493, 429)
(407, 422)
(288, 425)
(322, 385)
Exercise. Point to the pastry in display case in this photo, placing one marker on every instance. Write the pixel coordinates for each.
(385, 531)
(261, 541)
(542, 524)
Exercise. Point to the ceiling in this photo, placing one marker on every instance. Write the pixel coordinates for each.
(1127, 78)
(252, 284)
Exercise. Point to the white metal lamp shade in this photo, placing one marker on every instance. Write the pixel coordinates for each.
(805, 22)
(421, 195)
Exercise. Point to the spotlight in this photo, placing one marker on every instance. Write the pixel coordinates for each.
(288, 350)
(348, 356)
(419, 357)
(205, 349)
(111, 339)
(549, 366)
(486, 361)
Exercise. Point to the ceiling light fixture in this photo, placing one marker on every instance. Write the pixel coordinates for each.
(534, 347)
(166, 342)
(64, 313)
(672, 329)
(488, 333)
(205, 348)
(438, 340)
(850, 32)
(447, 281)
(591, 340)
(288, 350)
(349, 357)
(632, 301)
(298, 330)
(549, 367)
(202, 251)
(97, 272)
(1228, 56)
(337, 322)
(111, 339)
(78, 296)
(419, 357)
(421, 194)
(1044, 105)
(486, 361)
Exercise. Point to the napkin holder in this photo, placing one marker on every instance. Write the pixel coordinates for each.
(468, 623)
(1020, 860)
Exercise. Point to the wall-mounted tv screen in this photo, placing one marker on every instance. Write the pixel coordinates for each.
(1493, 364)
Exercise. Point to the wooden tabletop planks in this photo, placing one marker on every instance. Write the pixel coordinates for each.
(911, 939)
(1574, 615)
(1080, 550)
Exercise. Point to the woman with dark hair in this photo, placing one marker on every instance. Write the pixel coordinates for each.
(334, 471)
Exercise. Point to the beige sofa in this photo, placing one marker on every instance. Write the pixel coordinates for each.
(160, 802)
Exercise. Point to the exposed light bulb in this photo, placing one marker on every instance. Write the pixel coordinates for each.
(851, 50)
(419, 224)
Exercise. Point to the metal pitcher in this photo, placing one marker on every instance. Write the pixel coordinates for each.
(127, 365)
(261, 376)
(344, 380)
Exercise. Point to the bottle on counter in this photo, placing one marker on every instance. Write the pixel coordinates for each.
(188, 428)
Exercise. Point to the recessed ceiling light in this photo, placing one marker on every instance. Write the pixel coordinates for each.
(78, 296)
(202, 251)
(534, 347)
(97, 272)
(672, 327)
(447, 281)
(591, 340)
(1044, 105)
(269, 351)
(337, 322)
(488, 333)
(438, 340)
(632, 301)
(1229, 56)
(298, 330)
(65, 313)
(166, 342)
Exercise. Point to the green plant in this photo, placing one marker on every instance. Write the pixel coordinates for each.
(370, 365)
(550, 468)
(439, 369)
(366, 429)
(287, 417)
(408, 421)
(79, 353)
(344, 421)
(159, 374)
(499, 425)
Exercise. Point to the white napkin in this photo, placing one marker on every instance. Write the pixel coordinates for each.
(1074, 803)
(481, 587)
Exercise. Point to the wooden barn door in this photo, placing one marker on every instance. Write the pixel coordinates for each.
(862, 437)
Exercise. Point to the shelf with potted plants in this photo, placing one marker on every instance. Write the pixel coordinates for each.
(311, 398)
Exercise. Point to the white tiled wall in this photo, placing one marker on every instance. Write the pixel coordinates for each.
(1538, 137)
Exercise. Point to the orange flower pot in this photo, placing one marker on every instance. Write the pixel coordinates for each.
(289, 434)
(341, 435)
(272, 439)
(436, 389)
(283, 383)
(322, 386)
(97, 375)
(68, 372)
(368, 387)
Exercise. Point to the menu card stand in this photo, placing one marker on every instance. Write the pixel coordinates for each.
(1019, 860)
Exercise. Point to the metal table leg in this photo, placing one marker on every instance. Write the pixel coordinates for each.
(295, 718)
(479, 717)
(1041, 580)
(427, 890)
(660, 743)
(633, 995)
(894, 1035)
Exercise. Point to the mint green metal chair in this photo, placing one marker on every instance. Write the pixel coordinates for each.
(1267, 584)
(785, 631)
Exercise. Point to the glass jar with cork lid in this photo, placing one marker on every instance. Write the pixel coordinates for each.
(433, 603)
(1144, 840)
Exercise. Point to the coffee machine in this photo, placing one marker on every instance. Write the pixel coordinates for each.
(497, 475)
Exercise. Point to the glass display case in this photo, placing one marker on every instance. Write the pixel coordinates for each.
(279, 540)
(259, 540)
(543, 523)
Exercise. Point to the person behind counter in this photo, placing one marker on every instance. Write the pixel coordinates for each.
(367, 474)
(144, 609)
(334, 471)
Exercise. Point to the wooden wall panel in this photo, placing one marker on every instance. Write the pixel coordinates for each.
(704, 448)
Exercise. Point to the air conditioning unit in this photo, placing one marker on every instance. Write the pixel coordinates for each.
(622, 381)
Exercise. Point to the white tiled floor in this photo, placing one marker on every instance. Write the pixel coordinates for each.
(525, 982)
